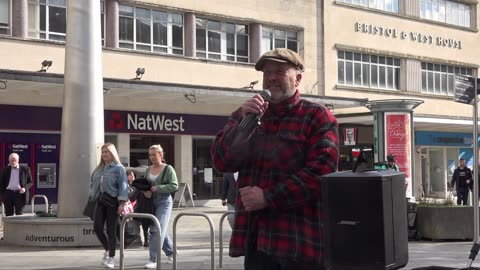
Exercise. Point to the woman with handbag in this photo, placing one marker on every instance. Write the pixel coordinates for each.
(109, 188)
(164, 181)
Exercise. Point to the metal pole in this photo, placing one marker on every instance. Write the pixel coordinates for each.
(212, 237)
(475, 166)
(475, 172)
(220, 237)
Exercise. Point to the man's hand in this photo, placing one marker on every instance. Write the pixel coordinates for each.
(253, 198)
(256, 104)
(22, 190)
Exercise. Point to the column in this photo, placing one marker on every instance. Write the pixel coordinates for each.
(111, 23)
(393, 134)
(183, 159)
(82, 115)
(123, 147)
(20, 18)
(255, 42)
(190, 35)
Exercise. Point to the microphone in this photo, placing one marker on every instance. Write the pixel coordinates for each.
(251, 119)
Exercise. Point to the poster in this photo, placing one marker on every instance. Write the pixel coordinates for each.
(208, 175)
(398, 141)
(349, 136)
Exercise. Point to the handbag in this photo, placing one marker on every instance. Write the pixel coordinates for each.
(106, 200)
(89, 210)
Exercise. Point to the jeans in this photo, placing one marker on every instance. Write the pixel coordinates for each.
(106, 214)
(163, 210)
(462, 196)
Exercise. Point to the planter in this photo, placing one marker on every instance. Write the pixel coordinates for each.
(445, 222)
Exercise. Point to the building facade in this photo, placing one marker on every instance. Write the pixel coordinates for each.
(412, 49)
(174, 70)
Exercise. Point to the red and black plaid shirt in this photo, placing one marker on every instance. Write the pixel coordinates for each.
(296, 143)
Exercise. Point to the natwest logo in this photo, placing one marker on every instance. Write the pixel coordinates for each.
(19, 146)
(155, 123)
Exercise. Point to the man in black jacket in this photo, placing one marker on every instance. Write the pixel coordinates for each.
(463, 177)
(229, 193)
(15, 183)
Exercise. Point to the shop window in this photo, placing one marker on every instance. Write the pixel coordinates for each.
(4, 17)
(150, 30)
(370, 71)
(207, 182)
(221, 40)
(139, 145)
(278, 38)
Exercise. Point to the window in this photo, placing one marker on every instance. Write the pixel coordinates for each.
(440, 79)
(150, 30)
(446, 11)
(47, 19)
(371, 71)
(222, 40)
(4, 17)
(276, 38)
(385, 5)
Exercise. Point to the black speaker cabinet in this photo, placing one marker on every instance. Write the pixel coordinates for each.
(365, 220)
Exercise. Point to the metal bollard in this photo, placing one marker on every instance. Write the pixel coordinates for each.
(39, 196)
(122, 236)
(212, 236)
(220, 237)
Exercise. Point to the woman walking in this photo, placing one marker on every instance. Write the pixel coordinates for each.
(164, 181)
(109, 188)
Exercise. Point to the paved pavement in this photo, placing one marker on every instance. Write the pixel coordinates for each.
(193, 243)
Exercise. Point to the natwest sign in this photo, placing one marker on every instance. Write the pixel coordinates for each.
(163, 123)
(154, 122)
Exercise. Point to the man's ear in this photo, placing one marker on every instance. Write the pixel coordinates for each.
(298, 79)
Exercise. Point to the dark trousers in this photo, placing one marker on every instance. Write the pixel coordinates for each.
(261, 261)
(462, 196)
(145, 225)
(109, 215)
(13, 202)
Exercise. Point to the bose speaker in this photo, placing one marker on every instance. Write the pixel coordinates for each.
(365, 220)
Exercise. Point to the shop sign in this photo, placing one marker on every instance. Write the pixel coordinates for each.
(413, 36)
(436, 138)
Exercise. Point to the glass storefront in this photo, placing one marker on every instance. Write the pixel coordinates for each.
(139, 145)
(207, 182)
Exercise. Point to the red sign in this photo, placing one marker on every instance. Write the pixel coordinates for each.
(398, 142)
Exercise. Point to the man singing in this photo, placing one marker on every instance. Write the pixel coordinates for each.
(278, 215)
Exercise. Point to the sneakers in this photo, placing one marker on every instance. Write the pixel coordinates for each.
(151, 265)
(105, 258)
(170, 259)
(110, 263)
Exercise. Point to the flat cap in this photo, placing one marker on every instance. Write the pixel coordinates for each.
(281, 55)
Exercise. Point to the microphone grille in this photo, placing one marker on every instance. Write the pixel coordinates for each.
(266, 95)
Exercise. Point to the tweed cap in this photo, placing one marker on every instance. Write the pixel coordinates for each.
(281, 55)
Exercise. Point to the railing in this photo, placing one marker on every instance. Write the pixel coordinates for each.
(122, 236)
(33, 202)
(220, 237)
(212, 237)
